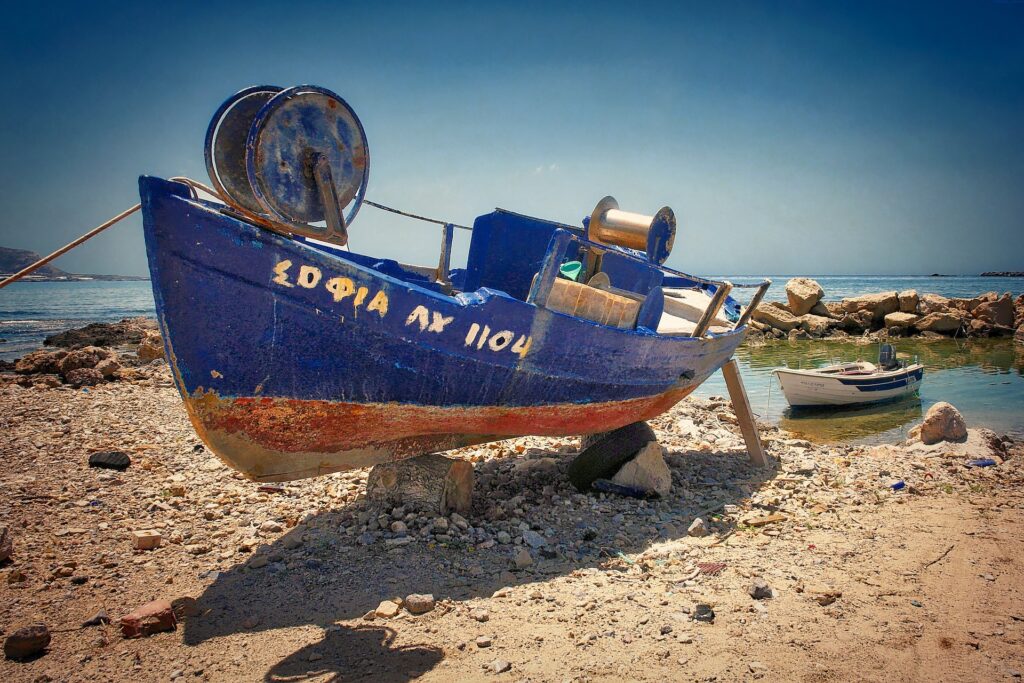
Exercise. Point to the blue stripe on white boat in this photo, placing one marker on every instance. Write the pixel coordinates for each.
(863, 382)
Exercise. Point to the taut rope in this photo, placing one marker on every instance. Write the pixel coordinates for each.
(195, 185)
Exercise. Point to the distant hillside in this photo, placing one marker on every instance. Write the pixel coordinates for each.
(13, 260)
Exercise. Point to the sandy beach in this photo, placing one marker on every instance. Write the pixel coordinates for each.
(865, 582)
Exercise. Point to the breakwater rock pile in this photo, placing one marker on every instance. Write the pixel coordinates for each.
(88, 356)
(806, 314)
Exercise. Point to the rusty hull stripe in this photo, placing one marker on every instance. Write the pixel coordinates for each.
(329, 426)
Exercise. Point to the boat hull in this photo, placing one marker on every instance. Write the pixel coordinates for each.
(293, 361)
(807, 389)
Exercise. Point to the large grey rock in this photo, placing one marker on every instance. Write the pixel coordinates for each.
(820, 309)
(647, 471)
(27, 641)
(815, 324)
(775, 317)
(128, 331)
(40, 362)
(909, 301)
(933, 303)
(901, 320)
(943, 422)
(998, 312)
(857, 321)
(802, 293)
(88, 357)
(880, 305)
(940, 322)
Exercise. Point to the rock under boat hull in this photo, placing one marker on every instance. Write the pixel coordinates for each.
(293, 361)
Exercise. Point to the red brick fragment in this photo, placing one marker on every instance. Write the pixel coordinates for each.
(153, 617)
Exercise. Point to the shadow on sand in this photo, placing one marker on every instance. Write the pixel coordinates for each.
(330, 578)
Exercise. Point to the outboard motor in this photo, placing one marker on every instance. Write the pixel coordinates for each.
(887, 357)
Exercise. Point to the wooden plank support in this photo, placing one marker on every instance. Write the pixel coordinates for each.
(741, 404)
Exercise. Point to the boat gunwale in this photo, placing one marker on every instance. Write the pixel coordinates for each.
(464, 300)
(884, 374)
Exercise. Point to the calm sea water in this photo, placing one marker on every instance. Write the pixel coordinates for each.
(31, 311)
(983, 378)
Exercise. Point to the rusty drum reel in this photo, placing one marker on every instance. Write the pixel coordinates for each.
(290, 159)
(653, 235)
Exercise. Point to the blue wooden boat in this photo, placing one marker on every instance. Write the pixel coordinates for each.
(296, 357)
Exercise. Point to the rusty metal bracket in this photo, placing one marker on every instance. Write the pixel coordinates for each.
(337, 231)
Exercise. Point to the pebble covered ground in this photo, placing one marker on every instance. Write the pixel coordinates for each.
(815, 569)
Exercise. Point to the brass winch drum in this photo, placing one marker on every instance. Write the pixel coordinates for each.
(653, 235)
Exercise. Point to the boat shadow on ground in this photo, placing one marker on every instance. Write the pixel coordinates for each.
(327, 579)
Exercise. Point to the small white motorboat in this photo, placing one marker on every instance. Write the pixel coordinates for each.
(847, 384)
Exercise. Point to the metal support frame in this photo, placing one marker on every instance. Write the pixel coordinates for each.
(445, 261)
(337, 231)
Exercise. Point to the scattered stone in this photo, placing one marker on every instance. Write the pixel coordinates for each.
(146, 540)
(98, 619)
(110, 460)
(27, 641)
(151, 347)
(6, 543)
(760, 590)
(697, 528)
(153, 617)
(503, 537)
(386, 609)
(483, 641)
(827, 597)
(258, 561)
(480, 615)
(523, 559)
(500, 666)
(756, 520)
(271, 527)
(84, 377)
(703, 612)
(533, 539)
(419, 603)
(943, 422)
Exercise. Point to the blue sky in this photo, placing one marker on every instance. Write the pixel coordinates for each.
(789, 137)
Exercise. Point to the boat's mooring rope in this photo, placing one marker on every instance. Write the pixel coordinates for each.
(68, 247)
(194, 185)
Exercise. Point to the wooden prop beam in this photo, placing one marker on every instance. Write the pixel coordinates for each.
(741, 404)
